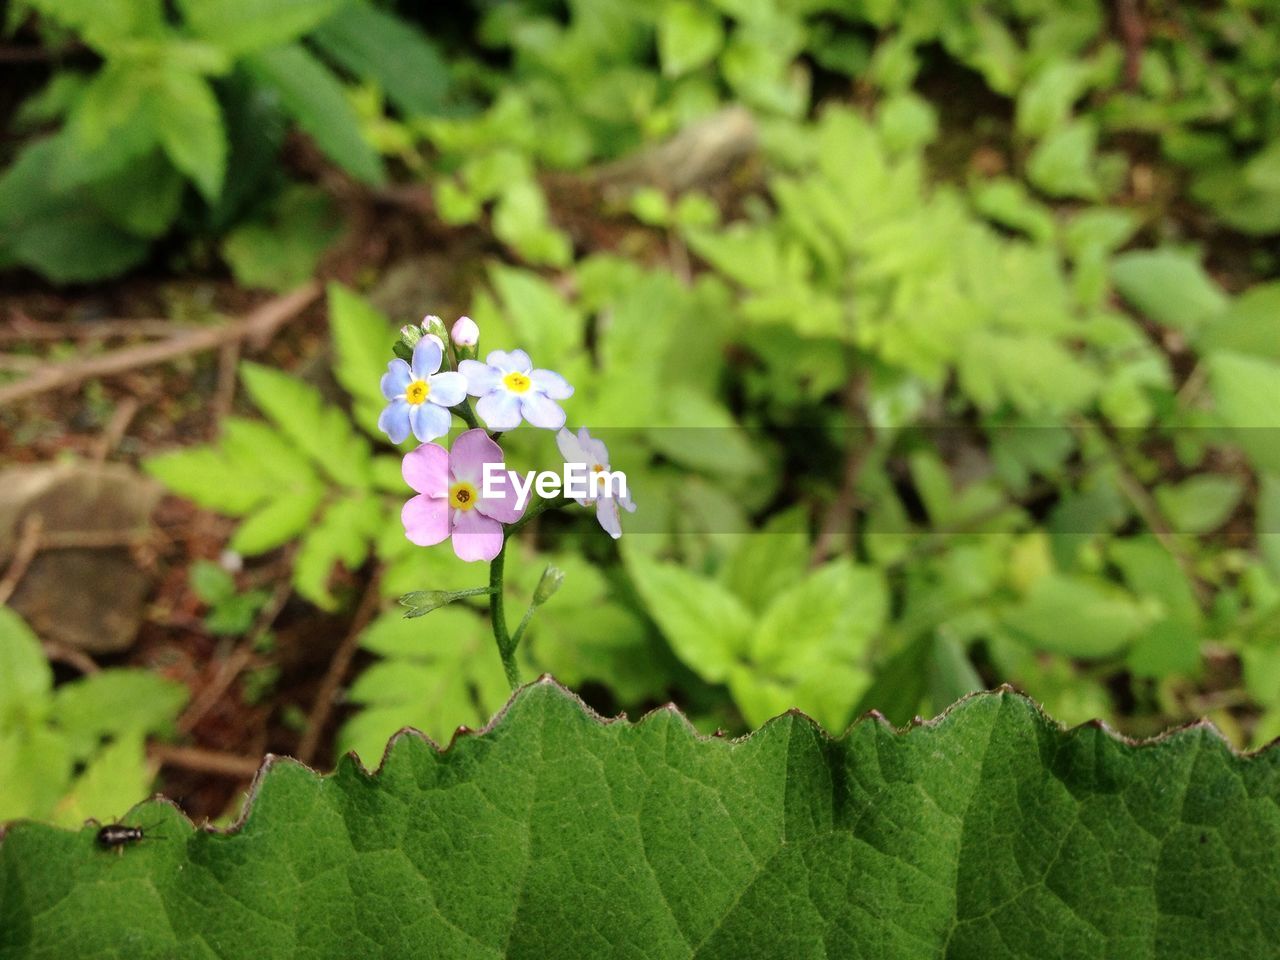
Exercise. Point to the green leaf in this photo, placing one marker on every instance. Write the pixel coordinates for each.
(1007, 202)
(1168, 286)
(317, 101)
(114, 703)
(322, 432)
(59, 234)
(1200, 504)
(438, 674)
(25, 676)
(245, 26)
(1246, 394)
(109, 26)
(1062, 164)
(900, 682)
(342, 535)
(1250, 325)
(110, 125)
(277, 522)
(991, 826)
(689, 36)
(280, 250)
(1044, 102)
(705, 624)
(211, 583)
(361, 335)
(35, 768)
(115, 778)
(1075, 617)
(379, 46)
(144, 198)
(189, 124)
(204, 475)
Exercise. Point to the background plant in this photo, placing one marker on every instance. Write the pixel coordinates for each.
(977, 308)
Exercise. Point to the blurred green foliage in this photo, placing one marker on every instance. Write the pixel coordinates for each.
(1051, 427)
(203, 99)
(76, 751)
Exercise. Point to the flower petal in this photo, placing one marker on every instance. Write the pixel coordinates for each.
(396, 379)
(502, 507)
(552, 384)
(607, 514)
(541, 411)
(499, 410)
(475, 536)
(427, 357)
(394, 420)
(570, 447)
(426, 520)
(447, 389)
(595, 449)
(471, 451)
(429, 421)
(426, 469)
(481, 378)
(517, 361)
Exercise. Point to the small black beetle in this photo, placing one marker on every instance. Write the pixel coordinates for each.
(117, 836)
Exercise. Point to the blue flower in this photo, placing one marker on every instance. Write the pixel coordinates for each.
(420, 397)
(594, 455)
(509, 388)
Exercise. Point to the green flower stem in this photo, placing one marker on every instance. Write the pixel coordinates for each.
(497, 614)
(465, 412)
(507, 643)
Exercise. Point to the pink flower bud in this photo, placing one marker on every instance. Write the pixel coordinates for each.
(465, 333)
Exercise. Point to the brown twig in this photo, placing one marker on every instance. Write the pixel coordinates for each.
(239, 661)
(1133, 35)
(23, 554)
(124, 413)
(27, 331)
(225, 393)
(338, 667)
(18, 362)
(91, 539)
(60, 652)
(217, 762)
(841, 510)
(258, 326)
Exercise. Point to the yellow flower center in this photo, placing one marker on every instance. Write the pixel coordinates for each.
(517, 382)
(417, 391)
(462, 496)
(598, 468)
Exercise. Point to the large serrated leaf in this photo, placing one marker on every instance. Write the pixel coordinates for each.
(988, 833)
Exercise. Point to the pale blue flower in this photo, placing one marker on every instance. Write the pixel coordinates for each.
(509, 389)
(420, 397)
(586, 449)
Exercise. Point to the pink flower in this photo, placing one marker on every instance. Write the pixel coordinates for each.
(449, 501)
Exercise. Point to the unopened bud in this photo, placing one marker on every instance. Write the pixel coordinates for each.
(465, 332)
(552, 578)
(434, 325)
